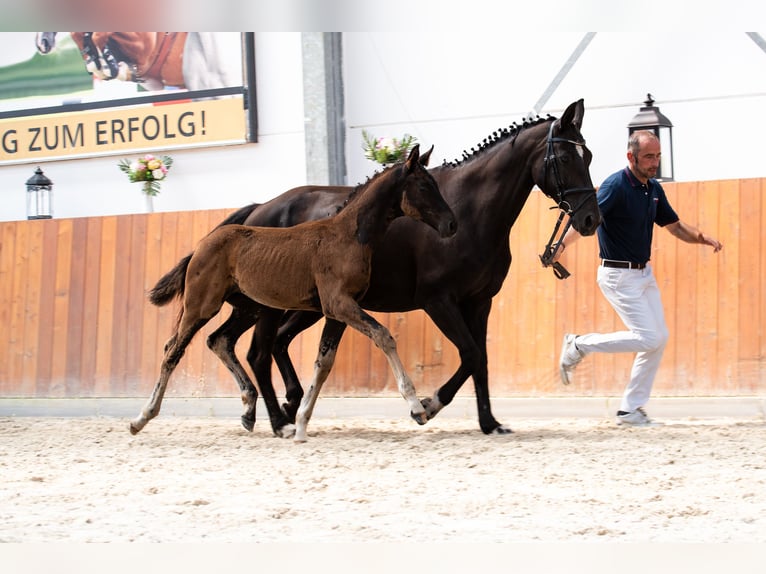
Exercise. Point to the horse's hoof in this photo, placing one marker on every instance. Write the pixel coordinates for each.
(287, 431)
(133, 429)
(499, 429)
(420, 418)
(248, 423)
(289, 411)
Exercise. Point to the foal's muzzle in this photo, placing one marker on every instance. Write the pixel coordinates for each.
(447, 227)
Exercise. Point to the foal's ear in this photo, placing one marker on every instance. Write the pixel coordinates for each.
(573, 115)
(425, 158)
(412, 160)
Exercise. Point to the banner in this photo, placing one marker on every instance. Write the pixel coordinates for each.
(84, 94)
(153, 127)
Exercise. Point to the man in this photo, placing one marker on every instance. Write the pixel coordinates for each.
(631, 201)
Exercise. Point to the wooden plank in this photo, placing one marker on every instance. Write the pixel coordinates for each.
(18, 303)
(74, 332)
(8, 271)
(91, 287)
(664, 253)
(61, 308)
(134, 303)
(706, 335)
(31, 312)
(150, 341)
(49, 250)
(686, 287)
(107, 276)
(726, 306)
(760, 285)
(120, 333)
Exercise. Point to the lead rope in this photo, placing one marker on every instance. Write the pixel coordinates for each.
(552, 249)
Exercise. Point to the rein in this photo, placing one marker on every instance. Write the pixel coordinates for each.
(565, 207)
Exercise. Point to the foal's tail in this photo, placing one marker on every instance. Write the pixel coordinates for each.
(172, 284)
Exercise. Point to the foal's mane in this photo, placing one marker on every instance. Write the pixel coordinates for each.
(370, 179)
(495, 138)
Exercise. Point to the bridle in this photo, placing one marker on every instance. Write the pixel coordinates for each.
(565, 207)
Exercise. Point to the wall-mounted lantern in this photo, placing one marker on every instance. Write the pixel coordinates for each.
(650, 118)
(39, 196)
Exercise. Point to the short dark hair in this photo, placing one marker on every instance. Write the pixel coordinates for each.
(634, 141)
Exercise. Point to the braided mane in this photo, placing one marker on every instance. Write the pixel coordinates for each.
(496, 137)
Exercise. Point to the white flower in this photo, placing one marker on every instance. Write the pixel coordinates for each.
(158, 174)
(387, 144)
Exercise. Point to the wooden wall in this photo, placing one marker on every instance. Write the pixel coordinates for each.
(75, 321)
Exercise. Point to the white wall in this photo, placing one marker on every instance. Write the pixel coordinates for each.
(452, 90)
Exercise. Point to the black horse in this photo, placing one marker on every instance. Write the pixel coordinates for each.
(453, 280)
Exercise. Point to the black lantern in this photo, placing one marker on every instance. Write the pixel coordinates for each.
(650, 118)
(39, 196)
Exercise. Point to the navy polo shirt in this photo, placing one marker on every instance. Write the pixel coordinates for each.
(629, 210)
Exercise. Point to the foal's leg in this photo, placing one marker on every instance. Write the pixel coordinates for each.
(347, 310)
(293, 323)
(222, 342)
(174, 350)
(328, 345)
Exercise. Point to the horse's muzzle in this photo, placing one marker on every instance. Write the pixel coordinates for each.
(587, 223)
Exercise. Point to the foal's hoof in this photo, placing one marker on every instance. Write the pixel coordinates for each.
(248, 423)
(420, 418)
(431, 406)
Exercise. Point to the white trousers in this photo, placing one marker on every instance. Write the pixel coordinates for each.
(635, 297)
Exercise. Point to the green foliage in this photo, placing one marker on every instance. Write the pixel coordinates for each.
(386, 150)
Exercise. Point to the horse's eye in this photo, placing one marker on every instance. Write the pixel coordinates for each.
(564, 157)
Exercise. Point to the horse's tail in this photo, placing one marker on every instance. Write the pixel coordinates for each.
(239, 216)
(173, 283)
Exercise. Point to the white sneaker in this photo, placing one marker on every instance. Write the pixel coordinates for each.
(570, 357)
(637, 418)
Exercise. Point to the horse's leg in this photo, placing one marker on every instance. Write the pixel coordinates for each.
(259, 357)
(328, 345)
(347, 310)
(174, 350)
(293, 323)
(477, 317)
(447, 317)
(466, 327)
(222, 342)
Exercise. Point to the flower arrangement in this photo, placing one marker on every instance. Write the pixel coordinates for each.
(149, 169)
(386, 150)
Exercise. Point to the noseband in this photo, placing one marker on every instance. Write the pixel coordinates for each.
(565, 207)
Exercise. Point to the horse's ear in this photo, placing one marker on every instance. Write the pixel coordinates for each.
(573, 115)
(425, 158)
(412, 160)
